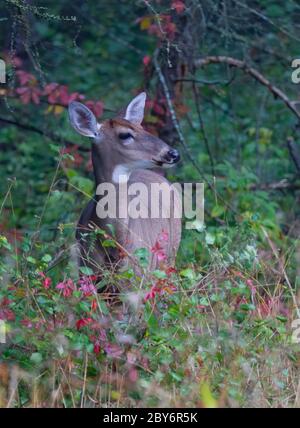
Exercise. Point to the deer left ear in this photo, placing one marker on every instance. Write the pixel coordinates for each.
(135, 109)
(83, 120)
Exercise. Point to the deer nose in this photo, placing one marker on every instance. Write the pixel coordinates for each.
(172, 156)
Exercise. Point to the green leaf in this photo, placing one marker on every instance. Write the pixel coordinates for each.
(210, 238)
(281, 318)
(90, 348)
(47, 258)
(143, 256)
(83, 184)
(187, 273)
(86, 270)
(108, 243)
(150, 318)
(217, 211)
(103, 307)
(176, 376)
(70, 173)
(4, 243)
(160, 274)
(204, 301)
(247, 307)
(206, 396)
(84, 306)
(36, 358)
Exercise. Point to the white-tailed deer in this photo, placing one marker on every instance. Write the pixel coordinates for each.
(122, 148)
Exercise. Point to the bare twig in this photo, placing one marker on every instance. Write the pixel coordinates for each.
(201, 123)
(172, 111)
(294, 152)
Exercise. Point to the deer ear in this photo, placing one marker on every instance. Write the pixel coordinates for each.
(135, 109)
(83, 120)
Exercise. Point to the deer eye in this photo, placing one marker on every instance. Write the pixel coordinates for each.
(126, 137)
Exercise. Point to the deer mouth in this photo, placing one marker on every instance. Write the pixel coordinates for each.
(169, 159)
(163, 164)
(157, 162)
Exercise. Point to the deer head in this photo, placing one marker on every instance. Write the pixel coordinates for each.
(121, 145)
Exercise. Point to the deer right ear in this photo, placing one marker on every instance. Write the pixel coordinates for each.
(83, 120)
(135, 109)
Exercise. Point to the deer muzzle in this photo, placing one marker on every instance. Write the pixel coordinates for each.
(171, 157)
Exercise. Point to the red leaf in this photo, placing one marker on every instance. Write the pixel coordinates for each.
(97, 348)
(7, 314)
(113, 350)
(158, 109)
(83, 322)
(178, 5)
(96, 107)
(146, 60)
(133, 374)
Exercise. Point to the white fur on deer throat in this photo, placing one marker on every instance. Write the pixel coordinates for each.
(121, 172)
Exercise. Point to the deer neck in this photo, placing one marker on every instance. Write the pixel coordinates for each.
(102, 166)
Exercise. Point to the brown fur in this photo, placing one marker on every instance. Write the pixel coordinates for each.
(109, 152)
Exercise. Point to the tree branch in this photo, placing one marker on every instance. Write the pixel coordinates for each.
(279, 185)
(50, 135)
(242, 65)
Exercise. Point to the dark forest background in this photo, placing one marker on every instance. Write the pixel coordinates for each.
(218, 75)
